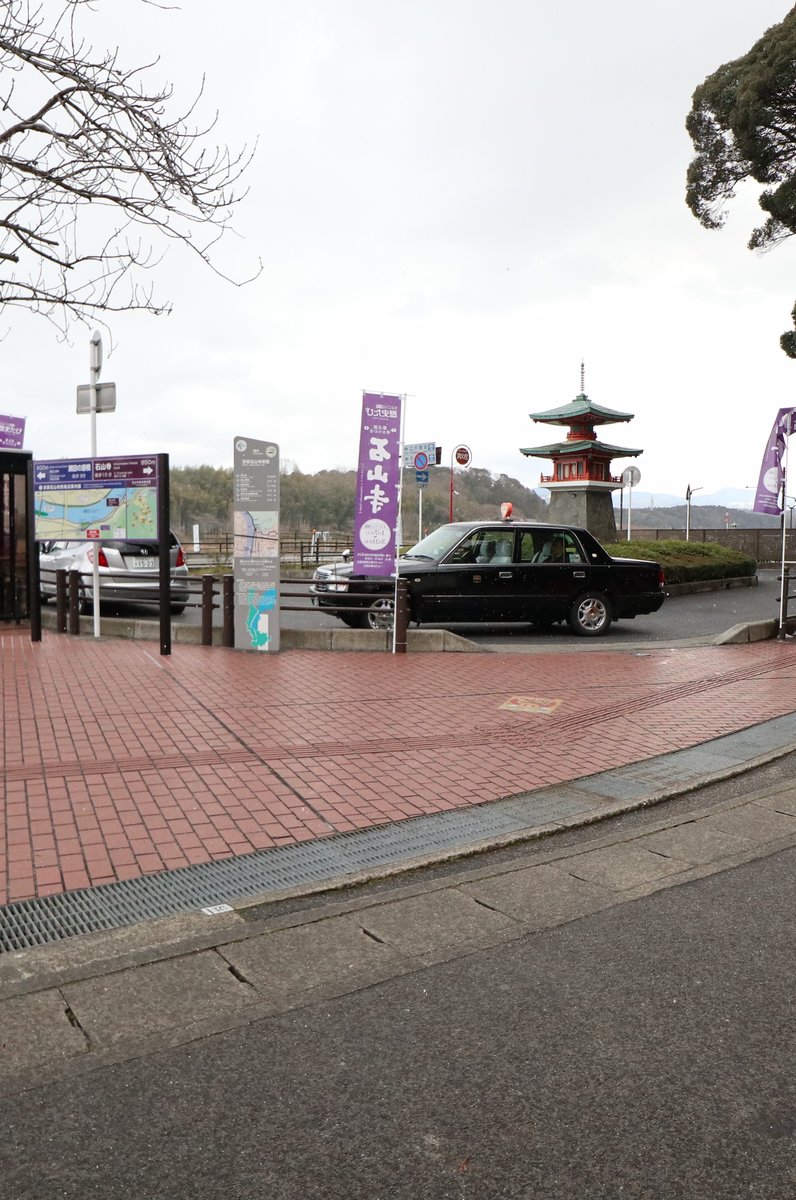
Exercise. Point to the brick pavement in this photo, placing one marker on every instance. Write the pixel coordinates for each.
(117, 762)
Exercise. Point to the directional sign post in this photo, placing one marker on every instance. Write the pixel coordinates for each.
(421, 478)
(413, 448)
(630, 477)
(462, 457)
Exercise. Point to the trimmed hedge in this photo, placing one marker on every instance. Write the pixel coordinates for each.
(686, 562)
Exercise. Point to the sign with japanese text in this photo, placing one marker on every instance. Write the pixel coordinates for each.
(378, 485)
(94, 498)
(413, 448)
(768, 498)
(12, 432)
(256, 562)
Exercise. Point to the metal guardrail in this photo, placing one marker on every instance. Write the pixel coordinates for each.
(218, 552)
(208, 593)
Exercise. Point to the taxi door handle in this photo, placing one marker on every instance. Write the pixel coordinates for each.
(505, 574)
(578, 574)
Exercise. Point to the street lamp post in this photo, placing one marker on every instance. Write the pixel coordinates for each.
(689, 491)
(95, 368)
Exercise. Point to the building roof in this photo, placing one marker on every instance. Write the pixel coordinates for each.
(580, 409)
(570, 448)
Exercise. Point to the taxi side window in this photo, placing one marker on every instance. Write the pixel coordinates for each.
(572, 551)
(469, 550)
(484, 546)
(557, 546)
(528, 548)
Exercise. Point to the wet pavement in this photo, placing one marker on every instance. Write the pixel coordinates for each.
(120, 764)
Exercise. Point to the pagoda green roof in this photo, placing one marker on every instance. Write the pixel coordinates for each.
(567, 447)
(579, 409)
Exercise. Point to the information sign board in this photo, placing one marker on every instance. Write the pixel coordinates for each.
(256, 563)
(95, 498)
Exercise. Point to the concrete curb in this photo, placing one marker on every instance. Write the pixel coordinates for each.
(711, 585)
(417, 640)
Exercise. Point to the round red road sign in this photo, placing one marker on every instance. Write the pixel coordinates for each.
(462, 456)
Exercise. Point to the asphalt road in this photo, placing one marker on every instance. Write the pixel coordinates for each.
(644, 1052)
(703, 615)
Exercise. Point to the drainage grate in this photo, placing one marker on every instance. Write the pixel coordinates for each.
(113, 905)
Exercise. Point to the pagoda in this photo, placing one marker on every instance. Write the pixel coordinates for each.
(581, 482)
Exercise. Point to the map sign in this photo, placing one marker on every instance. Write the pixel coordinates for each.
(256, 562)
(96, 498)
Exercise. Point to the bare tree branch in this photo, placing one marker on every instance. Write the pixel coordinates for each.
(94, 171)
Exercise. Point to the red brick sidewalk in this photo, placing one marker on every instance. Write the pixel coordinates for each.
(118, 763)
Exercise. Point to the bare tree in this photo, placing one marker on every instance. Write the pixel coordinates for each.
(95, 174)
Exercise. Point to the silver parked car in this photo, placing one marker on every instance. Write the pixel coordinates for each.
(128, 571)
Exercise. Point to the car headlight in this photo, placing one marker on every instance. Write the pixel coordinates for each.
(324, 581)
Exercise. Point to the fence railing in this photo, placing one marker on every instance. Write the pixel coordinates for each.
(73, 595)
(764, 545)
(218, 552)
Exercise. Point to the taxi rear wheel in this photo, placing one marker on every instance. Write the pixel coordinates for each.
(590, 615)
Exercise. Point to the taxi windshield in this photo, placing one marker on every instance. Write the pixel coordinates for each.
(437, 543)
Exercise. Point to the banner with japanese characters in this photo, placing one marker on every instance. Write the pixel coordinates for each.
(378, 485)
(768, 498)
(12, 432)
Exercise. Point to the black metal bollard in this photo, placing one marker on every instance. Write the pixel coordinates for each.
(74, 602)
(60, 600)
(34, 600)
(228, 611)
(783, 608)
(207, 610)
(401, 615)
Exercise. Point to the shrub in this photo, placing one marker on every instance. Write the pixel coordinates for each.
(685, 562)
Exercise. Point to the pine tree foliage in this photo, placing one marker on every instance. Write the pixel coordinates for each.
(743, 126)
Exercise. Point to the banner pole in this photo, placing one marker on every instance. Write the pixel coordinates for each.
(398, 528)
(782, 583)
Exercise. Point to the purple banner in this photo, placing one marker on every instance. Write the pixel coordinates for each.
(378, 484)
(12, 432)
(768, 498)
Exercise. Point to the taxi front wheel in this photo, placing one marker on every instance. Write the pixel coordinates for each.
(590, 615)
(380, 614)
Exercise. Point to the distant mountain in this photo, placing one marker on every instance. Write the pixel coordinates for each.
(728, 497)
(703, 516)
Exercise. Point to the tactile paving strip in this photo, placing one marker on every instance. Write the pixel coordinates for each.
(35, 922)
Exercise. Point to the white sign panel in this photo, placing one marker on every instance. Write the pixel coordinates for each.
(256, 562)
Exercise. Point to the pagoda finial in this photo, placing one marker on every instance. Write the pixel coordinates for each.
(582, 378)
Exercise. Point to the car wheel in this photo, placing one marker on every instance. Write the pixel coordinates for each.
(380, 613)
(590, 615)
(177, 609)
(44, 599)
(352, 620)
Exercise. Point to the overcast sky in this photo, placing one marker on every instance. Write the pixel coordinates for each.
(455, 200)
